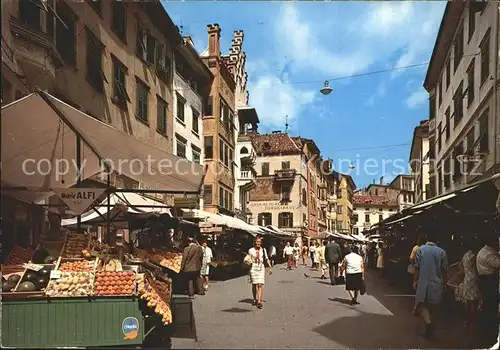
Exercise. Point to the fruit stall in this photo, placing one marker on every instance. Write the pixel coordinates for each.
(89, 302)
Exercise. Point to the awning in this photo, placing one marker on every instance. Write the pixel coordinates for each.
(40, 129)
(131, 200)
(223, 220)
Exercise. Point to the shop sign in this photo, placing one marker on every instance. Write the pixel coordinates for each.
(272, 206)
(185, 202)
(130, 328)
(213, 229)
(78, 199)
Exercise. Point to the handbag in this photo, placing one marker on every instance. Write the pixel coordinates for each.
(411, 269)
(362, 289)
(247, 261)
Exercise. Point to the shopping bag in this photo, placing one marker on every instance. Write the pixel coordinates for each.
(247, 261)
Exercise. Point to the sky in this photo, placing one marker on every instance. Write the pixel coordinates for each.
(366, 124)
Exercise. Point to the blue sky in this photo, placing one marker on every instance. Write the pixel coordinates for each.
(292, 47)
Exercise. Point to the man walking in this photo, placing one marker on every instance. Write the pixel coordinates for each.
(191, 266)
(432, 265)
(333, 256)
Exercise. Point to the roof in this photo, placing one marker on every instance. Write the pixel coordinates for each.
(421, 132)
(274, 144)
(372, 200)
(159, 16)
(302, 141)
(349, 180)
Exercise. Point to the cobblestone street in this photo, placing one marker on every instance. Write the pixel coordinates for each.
(301, 312)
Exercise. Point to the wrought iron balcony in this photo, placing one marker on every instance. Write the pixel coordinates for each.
(285, 174)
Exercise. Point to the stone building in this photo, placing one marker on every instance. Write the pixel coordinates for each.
(345, 193)
(419, 161)
(370, 210)
(280, 197)
(464, 122)
(405, 184)
(220, 123)
(110, 59)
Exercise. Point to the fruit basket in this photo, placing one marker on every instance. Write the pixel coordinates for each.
(74, 245)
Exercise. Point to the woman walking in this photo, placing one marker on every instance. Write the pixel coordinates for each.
(468, 290)
(412, 269)
(288, 255)
(312, 252)
(304, 254)
(296, 254)
(380, 258)
(258, 270)
(354, 274)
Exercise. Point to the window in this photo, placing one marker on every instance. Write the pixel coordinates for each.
(470, 147)
(448, 74)
(196, 154)
(483, 133)
(96, 5)
(432, 107)
(439, 137)
(145, 46)
(447, 126)
(66, 36)
(472, 21)
(119, 87)
(95, 74)
(207, 194)
(225, 114)
(29, 14)
(161, 115)
(225, 198)
(265, 169)
(440, 90)
(304, 197)
(339, 209)
(285, 165)
(181, 143)
(285, 193)
(163, 63)
(265, 219)
(209, 147)
(367, 218)
(485, 57)
(209, 106)
(458, 105)
(119, 20)
(457, 155)
(142, 101)
(380, 217)
(285, 220)
(225, 154)
(459, 47)
(470, 83)
(196, 120)
(181, 103)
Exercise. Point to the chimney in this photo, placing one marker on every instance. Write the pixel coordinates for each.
(213, 39)
(381, 180)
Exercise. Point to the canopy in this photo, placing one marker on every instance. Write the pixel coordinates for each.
(131, 200)
(40, 138)
(224, 220)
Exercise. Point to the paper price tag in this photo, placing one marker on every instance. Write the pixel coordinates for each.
(34, 267)
(55, 274)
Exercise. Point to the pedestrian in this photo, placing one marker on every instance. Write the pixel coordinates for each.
(432, 266)
(304, 254)
(312, 252)
(333, 256)
(288, 255)
(412, 270)
(488, 265)
(258, 270)
(272, 254)
(380, 258)
(468, 291)
(354, 269)
(191, 266)
(322, 260)
(205, 267)
(296, 254)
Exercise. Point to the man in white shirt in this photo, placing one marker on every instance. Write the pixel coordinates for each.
(205, 267)
(288, 255)
(488, 266)
(272, 254)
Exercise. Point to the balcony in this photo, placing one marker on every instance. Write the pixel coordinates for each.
(332, 198)
(36, 54)
(285, 174)
(247, 178)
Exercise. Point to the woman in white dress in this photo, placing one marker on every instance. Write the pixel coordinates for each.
(258, 270)
(205, 264)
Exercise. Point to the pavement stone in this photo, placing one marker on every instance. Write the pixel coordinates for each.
(306, 312)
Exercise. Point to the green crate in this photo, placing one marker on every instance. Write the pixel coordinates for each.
(70, 322)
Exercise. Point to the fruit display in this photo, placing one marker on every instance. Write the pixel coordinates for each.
(19, 255)
(98, 246)
(9, 284)
(156, 302)
(112, 266)
(76, 266)
(164, 289)
(34, 280)
(114, 283)
(71, 284)
(171, 261)
(74, 245)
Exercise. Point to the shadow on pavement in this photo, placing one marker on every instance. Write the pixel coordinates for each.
(340, 300)
(236, 310)
(246, 301)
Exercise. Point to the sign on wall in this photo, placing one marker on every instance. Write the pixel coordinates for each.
(271, 206)
(78, 200)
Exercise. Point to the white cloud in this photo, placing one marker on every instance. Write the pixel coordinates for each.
(380, 92)
(417, 98)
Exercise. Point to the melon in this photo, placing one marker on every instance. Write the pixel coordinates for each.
(26, 287)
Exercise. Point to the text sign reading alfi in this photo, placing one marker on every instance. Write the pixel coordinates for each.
(78, 199)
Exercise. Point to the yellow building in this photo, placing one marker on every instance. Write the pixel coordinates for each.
(345, 193)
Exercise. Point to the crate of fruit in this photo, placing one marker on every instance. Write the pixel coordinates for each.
(114, 283)
(75, 245)
(26, 282)
(19, 255)
(76, 265)
(70, 284)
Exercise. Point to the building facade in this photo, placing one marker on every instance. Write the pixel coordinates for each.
(463, 96)
(419, 161)
(405, 186)
(280, 195)
(345, 213)
(219, 130)
(370, 210)
(112, 60)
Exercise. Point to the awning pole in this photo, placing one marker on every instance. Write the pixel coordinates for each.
(108, 205)
(78, 175)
